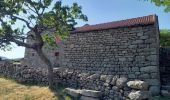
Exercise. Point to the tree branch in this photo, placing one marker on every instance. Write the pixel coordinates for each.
(26, 22)
(19, 43)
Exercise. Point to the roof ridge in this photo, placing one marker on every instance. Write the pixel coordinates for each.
(115, 24)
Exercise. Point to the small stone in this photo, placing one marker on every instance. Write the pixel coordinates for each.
(138, 95)
(121, 82)
(109, 78)
(114, 79)
(103, 77)
(137, 84)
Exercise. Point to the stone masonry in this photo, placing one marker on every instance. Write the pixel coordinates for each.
(127, 48)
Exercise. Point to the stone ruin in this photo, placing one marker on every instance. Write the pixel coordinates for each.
(120, 59)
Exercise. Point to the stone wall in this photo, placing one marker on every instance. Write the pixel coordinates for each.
(112, 87)
(23, 74)
(165, 66)
(132, 52)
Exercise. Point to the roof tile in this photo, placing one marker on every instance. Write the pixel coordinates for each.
(123, 23)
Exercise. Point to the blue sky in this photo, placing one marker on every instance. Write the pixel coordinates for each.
(100, 11)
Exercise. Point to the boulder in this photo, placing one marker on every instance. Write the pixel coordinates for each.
(137, 84)
(121, 82)
(91, 93)
(154, 90)
(73, 92)
(138, 95)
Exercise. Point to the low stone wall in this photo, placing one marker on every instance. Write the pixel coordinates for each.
(111, 87)
(23, 74)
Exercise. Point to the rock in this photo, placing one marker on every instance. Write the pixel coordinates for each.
(73, 92)
(115, 88)
(121, 82)
(94, 76)
(149, 69)
(103, 77)
(109, 78)
(138, 95)
(91, 93)
(165, 93)
(114, 79)
(88, 98)
(137, 84)
(154, 90)
(153, 81)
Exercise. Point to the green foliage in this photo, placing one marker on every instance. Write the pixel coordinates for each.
(165, 3)
(43, 14)
(164, 38)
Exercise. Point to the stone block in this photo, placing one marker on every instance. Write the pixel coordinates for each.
(153, 82)
(149, 69)
(91, 93)
(137, 84)
(73, 92)
(139, 95)
(121, 82)
(114, 79)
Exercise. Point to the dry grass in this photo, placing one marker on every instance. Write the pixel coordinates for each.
(11, 90)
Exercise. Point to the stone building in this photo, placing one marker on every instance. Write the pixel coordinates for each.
(127, 48)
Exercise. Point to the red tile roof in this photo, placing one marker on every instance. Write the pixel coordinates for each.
(116, 24)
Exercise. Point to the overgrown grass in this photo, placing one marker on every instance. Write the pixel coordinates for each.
(11, 90)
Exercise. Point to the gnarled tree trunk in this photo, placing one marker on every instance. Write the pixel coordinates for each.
(50, 67)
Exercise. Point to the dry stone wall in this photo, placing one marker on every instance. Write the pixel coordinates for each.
(111, 87)
(132, 52)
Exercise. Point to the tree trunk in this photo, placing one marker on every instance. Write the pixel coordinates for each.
(49, 66)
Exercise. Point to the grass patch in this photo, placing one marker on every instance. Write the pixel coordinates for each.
(11, 90)
(161, 98)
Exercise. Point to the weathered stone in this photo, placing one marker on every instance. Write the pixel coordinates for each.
(109, 78)
(88, 98)
(165, 93)
(121, 82)
(94, 76)
(144, 76)
(91, 93)
(115, 88)
(103, 77)
(73, 92)
(152, 58)
(137, 84)
(153, 81)
(114, 79)
(138, 95)
(154, 90)
(149, 69)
